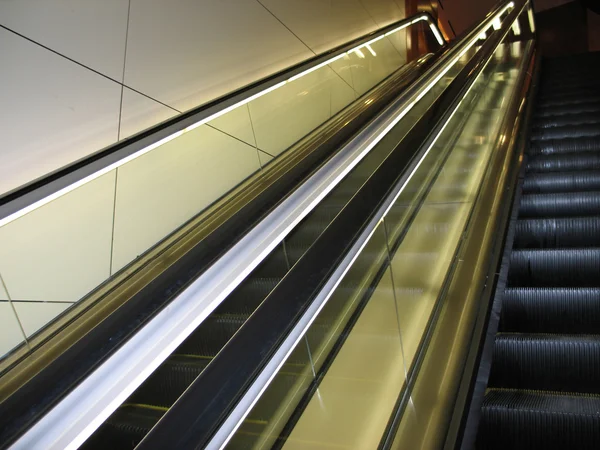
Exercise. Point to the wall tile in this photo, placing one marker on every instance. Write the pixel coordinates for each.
(52, 111)
(341, 96)
(140, 112)
(60, 251)
(384, 12)
(368, 70)
(34, 315)
(398, 40)
(265, 158)
(285, 115)
(187, 52)
(323, 25)
(161, 190)
(11, 335)
(3, 294)
(90, 32)
(343, 68)
(237, 124)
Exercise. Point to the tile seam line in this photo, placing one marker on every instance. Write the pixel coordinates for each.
(304, 43)
(208, 124)
(286, 27)
(14, 310)
(123, 73)
(4, 27)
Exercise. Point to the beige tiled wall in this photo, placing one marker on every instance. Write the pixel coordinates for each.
(78, 76)
(161, 190)
(60, 251)
(11, 334)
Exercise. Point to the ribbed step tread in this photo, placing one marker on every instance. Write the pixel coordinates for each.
(569, 91)
(564, 163)
(125, 428)
(554, 182)
(212, 335)
(249, 294)
(564, 146)
(544, 383)
(561, 204)
(568, 84)
(578, 267)
(559, 110)
(567, 119)
(551, 310)
(524, 420)
(542, 103)
(546, 362)
(558, 232)
(168, 382)
(566, 131)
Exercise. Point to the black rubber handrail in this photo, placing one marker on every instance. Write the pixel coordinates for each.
(197, 415)
(36, 190)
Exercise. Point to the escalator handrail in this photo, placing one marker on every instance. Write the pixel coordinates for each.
(59, 425)
(90, 365)
(24, 199)
(90, 351)
(211, 409)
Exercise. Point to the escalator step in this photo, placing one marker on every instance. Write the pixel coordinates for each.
(212, 335)
(558, 146)
(561, 204)
(564, 163)
(566, 131)
(578, 267)
(526, 420)
(551, 310)
(574, 72)
(561, 182)
(248, 295)
(543, 390)
(546, 362)
(543, 103)
(125, 428)
(569, 91)
(566, 119)
(557, 232)
(559, 110)
(168, 382)
(568, 83)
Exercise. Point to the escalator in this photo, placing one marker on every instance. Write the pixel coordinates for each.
(134, 419)
(388, 227)
(543, 389)
(302, 172)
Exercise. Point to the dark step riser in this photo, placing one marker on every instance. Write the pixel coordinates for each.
(555, 268)
(560, 205)
(559, 310)
(554, 233)
(567, 364)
